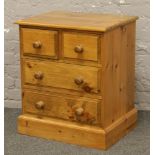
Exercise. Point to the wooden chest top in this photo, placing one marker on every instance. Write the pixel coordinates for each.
(79, 21)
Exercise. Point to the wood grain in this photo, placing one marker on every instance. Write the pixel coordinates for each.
(47, 39)
(60, 74)
(89, 43)
(78, 84)
(78, 21)
(62, 106)
(118, 60)
(107, 91)
(120, 128)
(60, 130)
(70, 132)
(131, 66)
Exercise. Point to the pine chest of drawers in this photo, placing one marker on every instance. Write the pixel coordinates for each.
(77, 73)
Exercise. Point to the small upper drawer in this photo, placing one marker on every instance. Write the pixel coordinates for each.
(39, 42)
(80, 46)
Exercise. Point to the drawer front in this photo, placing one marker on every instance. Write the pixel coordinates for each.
(61, 75)
(80, 46)
(39, 42)
(76, 109)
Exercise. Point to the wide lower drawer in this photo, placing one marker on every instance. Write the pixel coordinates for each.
(72, 108)
(61, 75)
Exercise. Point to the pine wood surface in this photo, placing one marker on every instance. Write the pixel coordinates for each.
(85, 135)
(78, 21)
(118, 86)
(60, 75)
(89, 43)
(63, 107)
(77, 73)
(46, 38)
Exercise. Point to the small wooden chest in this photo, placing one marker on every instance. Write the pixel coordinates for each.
(77, 73)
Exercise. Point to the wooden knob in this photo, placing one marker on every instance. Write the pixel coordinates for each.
(40, 105)
(79, 111)
(39, 75)
(78, 81)
(37, 44)
(78, 49)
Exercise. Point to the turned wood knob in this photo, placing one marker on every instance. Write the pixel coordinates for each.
(37, 44)
(78, 49)
(39, 75)
(79, 111)
(40, 105)
(78, 81)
